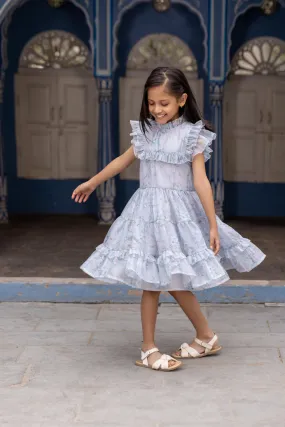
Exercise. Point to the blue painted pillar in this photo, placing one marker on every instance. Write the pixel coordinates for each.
(3, 182)
(217, 74)
(216, 161)
(107, 191)
(103, 73)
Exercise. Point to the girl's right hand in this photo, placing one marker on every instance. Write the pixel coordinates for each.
(82, 192)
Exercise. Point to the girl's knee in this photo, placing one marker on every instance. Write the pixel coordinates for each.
(152, 293)
(173, 293)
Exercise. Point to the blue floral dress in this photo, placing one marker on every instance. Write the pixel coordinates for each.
(161, 239)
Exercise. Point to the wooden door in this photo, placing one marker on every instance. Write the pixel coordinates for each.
(275, 141)
(36, 119)
(77, 117)
(197, 87)
(131, 91)
(243, 130)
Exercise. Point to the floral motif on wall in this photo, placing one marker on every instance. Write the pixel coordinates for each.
(260, 56)
(55, 49)
(161, 50)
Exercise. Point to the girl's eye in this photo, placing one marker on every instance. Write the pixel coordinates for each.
(164, 105)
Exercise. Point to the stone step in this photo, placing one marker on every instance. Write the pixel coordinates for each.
(64, 290)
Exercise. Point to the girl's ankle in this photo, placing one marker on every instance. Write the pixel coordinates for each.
(146, 346)
(205, 336)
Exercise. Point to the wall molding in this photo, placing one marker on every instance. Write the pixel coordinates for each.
(213, 36)
(126, 5)
(6, 21)
(105, 43)
(239, 7)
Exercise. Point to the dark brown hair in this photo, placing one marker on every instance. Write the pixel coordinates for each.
(176, 84)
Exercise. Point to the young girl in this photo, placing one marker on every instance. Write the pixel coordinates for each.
(168, 237)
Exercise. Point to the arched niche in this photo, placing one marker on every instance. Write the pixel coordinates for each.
(56, 103)
(254, 127)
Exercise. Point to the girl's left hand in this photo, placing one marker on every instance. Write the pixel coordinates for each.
(214, 240)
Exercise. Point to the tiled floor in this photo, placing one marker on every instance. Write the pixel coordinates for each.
(56, 246)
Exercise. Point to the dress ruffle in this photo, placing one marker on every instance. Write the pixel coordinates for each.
(199, 141)
(196, 140)
(158, 248)
(146, 272)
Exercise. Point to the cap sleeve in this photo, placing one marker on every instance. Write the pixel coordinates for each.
(199, 141)
(139, 140)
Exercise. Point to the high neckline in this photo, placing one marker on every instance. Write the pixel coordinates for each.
(168, 125)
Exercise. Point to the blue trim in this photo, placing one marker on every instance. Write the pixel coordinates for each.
(209, 35)
(64, 291)
(104, 38)
(226, 42)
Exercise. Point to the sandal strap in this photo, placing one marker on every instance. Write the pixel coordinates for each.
(146, 354)
(162, 362)
(208, 346)
(186, 350)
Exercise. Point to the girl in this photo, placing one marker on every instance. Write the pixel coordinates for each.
(160, 242)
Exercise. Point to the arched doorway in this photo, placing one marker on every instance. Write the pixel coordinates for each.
(173, 22)
(254, 126)
(63, 30)
(55, 90)
(152, 51)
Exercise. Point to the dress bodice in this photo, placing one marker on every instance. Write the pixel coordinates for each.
(166, 152)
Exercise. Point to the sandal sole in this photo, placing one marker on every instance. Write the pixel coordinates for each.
(211, 353)
(172, 368)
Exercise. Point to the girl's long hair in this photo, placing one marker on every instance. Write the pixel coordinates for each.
(176, 84)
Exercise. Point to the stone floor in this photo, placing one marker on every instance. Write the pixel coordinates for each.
(56, 246)
(72, 365)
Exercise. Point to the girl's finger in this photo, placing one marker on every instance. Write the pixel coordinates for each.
(81, 198)
(217, 248)
(86, 198)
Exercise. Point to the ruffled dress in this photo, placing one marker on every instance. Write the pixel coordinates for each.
(161, 240)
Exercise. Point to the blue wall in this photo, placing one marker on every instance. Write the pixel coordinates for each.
(254, 23)
(37, 196)
(249, 199)
(139, 22)
(53, 196)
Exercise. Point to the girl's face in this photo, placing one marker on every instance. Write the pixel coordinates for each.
(163, 106)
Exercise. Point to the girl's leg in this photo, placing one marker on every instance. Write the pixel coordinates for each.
(191, 307)
(149, 306)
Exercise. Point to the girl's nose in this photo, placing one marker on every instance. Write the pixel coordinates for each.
(157, 109)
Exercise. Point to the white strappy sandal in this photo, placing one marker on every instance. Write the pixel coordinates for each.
(188, 352)
(159, 365)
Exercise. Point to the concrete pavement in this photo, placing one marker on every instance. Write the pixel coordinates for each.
(68, 365)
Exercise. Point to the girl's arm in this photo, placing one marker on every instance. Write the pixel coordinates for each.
(204, 191)
(83, 191)
(114, 168)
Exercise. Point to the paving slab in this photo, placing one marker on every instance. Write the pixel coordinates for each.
(66, 365)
